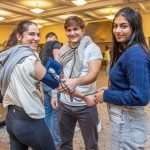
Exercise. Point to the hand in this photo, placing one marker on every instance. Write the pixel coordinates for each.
(99, 96)
(62, 89)
(71, 83)
(54, 103)
(90, 100)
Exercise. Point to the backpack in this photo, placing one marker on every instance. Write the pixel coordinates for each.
(47, 51)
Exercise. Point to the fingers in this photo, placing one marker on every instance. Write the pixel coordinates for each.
(63, 80)
(62, 89)
(90, 100)
(54, 103)
(90, 104)
(70, 83)
(98, 101)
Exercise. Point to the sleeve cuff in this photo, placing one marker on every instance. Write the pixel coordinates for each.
(54, 94)
(105, 96)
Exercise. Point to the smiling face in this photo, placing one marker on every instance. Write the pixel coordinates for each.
(31, 37)
(74, 34)
(121, 29)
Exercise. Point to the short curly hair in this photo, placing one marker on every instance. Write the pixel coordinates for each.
(74, 20)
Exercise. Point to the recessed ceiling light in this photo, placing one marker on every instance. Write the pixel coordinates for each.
(5, 13)
(79, 2)
(37, 10)
(2, 18)
(40, 26)
(110, 17)
(39, 21)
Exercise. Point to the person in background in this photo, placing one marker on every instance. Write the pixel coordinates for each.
(81, 61)
(51, 41)
(129, 89)
(107, 58)
(21, 71)
(50, 49)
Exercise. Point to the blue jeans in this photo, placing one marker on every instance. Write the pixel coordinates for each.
(51, 115)
(25, 132)
(128, 127)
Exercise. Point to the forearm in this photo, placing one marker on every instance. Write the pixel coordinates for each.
(136, 74)
(78, 94)
(91, 76)
(54, 94)
(126, 98)
(87, 79)
(88, 99)
(55, 54)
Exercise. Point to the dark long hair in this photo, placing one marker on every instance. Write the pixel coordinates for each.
(20, 29)
(137, 37)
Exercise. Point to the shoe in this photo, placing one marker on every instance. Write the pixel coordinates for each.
(77, 128)
(99, 126)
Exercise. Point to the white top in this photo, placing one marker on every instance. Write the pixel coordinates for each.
(22, 89)
(92, 52)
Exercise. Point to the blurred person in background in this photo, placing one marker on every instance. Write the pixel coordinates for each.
(51, 49)
(107, 58)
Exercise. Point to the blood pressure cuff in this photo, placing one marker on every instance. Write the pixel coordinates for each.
(50, 81)
(53, 70)
(53, 64)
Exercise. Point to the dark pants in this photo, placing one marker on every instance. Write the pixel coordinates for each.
(87, 118)
(27, 132)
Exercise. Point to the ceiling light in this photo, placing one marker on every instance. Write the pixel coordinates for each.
(40, 26)
(79, 2)
(2, 18)
(110, 17)
(5, 13)
(39, 21)
(37, 10)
